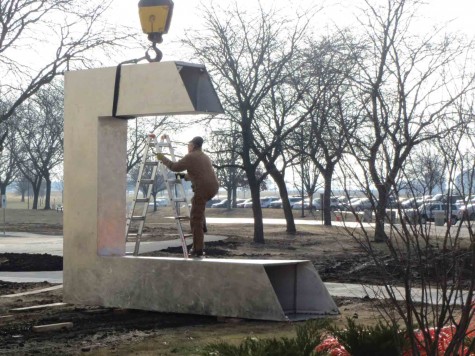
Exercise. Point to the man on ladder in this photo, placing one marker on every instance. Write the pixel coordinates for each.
(203, 182)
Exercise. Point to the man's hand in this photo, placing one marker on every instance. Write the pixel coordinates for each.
(180, 175)
(160, 156)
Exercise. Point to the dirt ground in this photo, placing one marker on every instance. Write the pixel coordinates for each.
(103, 331)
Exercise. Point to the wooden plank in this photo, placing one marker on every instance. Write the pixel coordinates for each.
(6, 318)
(36, 307)
(36, 291)
(52, 327)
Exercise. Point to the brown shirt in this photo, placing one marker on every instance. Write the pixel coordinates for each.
(199, 171)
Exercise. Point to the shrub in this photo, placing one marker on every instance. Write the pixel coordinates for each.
(358, 340)
(308, 336)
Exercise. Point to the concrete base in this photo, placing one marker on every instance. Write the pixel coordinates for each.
(252, 289)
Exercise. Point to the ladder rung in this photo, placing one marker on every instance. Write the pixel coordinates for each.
(187, 236)
(162, 144)
(133, 237)
(184, 217)
(151, 163)
(147, 181)
(137, 218)
(142, 200)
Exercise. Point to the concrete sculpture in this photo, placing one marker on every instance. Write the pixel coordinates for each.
(96, 268)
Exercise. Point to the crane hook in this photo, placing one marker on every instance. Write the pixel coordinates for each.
(158, 53)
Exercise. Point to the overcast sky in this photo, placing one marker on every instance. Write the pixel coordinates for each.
(457, 15)
(460, 13)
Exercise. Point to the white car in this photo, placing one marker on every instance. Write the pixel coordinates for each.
(315, 204)
(360, 204)
(428, 210)
(266, 201)
(245, 203)
(278, 203)
(466, 212)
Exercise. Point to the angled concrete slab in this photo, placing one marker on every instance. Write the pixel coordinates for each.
(254, 289)
(96, 268)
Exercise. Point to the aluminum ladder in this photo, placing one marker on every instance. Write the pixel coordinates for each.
(176, 190)
(138, 211)
(148, 171)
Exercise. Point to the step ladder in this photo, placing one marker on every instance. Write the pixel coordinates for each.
(149, 169)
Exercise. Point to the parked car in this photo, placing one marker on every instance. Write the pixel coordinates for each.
(266, 201)
(248, 203)
(210, 202)
(222, 204)
(225, 203)
(428, 210)
(278, 203)
(243, 203)
(423, 199)
(345, 203)
(466, 212)
(410, 203)
(240, 201)
(438, 197)
(451, 199)
(360, 204)
(315, 204)
(469, 199)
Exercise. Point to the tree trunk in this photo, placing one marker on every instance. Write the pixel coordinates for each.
(230, 201)
(3, 191)
(327, 212)
(234, 196)
(379, 233)
(36, 186)
(48, 195)
(279, 180)
(36, 195)
(154, 196)
(256, 209)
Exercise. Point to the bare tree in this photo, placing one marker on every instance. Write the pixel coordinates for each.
(426, 169)
(329, 104)
(250, 56)
(405, 89)
(22, 187)
(137, 133)
(40, 39)
(408, 98)
(226, 159)
(429, 282)
(40, 130)
(157, 186)
(8, 166)
(304, 167)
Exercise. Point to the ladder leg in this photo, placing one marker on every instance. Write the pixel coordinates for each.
(176, 192)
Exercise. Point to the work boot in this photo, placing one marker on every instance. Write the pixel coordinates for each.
(198, 254)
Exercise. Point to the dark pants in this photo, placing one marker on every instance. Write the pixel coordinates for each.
(197, 220)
